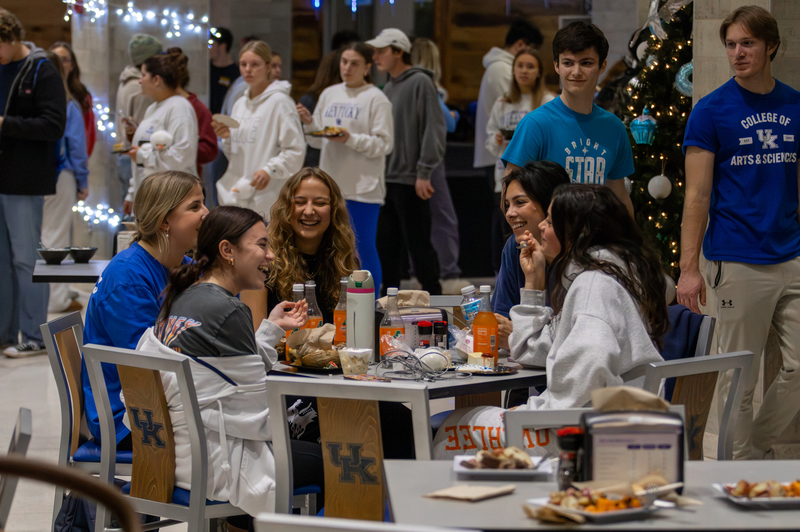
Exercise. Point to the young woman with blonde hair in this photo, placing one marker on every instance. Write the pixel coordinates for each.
(268, 146)
(126, 299)
(310, 234)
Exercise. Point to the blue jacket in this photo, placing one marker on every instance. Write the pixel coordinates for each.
(72, 147)
(124, 303)
(511, 278)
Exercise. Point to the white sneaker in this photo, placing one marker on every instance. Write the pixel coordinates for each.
(27, 349)
(453, 286)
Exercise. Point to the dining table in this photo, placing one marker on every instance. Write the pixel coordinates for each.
(408, 481)
(69, 271)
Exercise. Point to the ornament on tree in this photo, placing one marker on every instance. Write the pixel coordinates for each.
(660, 186)
(656, 16)
(650, 60)
(634, 82)
(682, 81)
(643, 128)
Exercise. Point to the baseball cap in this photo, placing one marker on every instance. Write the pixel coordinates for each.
(391, 37)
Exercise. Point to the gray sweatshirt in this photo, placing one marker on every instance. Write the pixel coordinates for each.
(419, 128)
(596, 339)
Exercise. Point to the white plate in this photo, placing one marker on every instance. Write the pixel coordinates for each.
(614, 516)
(464, 472)
(759, 502)
(225, 120)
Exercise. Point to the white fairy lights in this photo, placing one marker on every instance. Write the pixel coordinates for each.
(172, 21)
(95, 216)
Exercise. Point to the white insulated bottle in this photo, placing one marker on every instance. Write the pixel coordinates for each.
(361, 310)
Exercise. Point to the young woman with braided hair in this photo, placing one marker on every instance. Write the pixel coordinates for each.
(202, 319)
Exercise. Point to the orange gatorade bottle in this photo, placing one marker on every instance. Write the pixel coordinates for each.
(484, 327)
(314, 314)
(298, 293)
(392, 324)
(340, 314)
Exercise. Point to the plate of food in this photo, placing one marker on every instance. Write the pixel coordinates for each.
(507, 133)
(507, 463)
(328, 132)
(596, 506)
(330, 369)
(765, 494)
(225, 120)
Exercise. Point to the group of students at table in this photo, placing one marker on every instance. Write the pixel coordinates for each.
(582, 290)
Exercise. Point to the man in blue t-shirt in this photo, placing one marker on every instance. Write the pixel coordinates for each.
(741, 145)
(590, 143)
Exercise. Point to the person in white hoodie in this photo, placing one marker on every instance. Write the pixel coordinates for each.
(171, 118)
(495, 82)
(357, 158)
(202, 318)
(267, 147)
(525, 93)
(608, 315)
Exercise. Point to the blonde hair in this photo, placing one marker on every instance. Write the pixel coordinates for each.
(338, 246)
(515, 93)
(425, 54)
(155, 199)
(260, 48)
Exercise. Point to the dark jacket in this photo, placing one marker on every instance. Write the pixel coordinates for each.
(34, 121)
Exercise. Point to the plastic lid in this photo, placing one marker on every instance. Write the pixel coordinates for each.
(391, 291)
(440, 326)
(360, 276)
(344, 280)
(311, 283)
(467, 290)
(424, 323)
(485, 289)
(298, 287)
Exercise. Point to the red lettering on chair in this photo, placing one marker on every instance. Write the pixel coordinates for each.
(495, 439)
(483, 437)
(539, 440)
(467, 436)
(452, 438)
(526, 439)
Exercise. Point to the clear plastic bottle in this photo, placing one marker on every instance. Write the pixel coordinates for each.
(484, 327)
(470, 304)
(298, 293)
(340, 314)
(392, 323)
(314, 314)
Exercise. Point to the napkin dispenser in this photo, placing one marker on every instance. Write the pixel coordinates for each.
(411, 316)
(626, 446)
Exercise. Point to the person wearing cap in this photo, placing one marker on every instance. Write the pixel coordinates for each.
(222, 69)
(131, 104)
(419, 144)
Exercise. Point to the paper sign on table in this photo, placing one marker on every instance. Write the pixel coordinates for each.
(464, 492)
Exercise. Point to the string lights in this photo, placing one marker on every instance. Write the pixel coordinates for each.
(95, 216)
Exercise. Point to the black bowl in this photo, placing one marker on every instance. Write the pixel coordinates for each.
(82, 255)
(53, 256)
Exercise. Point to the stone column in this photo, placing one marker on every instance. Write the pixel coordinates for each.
(101, 48)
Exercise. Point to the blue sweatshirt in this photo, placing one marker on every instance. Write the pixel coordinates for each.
(72, 146)
(124, 303)
(511, 278)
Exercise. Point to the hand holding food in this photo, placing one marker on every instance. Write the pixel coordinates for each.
(532, 262)
(305, 114)
(260, 180)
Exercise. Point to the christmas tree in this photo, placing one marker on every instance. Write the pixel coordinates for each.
(658, 203)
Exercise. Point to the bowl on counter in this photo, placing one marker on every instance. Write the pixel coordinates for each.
(53, 256)
(82, 255)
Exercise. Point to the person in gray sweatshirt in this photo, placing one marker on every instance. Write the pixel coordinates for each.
(404, 222)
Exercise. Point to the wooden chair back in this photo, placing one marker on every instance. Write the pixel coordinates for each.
(151, 434)
(695, 393)
(352, 448)
(63, 339)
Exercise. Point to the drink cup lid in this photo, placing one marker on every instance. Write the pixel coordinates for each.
(391, 291)
(467, 290)
(485, 288)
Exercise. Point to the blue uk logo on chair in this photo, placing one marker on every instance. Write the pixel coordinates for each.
(352, 465)
(149, 429)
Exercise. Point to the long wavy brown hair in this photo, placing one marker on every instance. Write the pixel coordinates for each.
(338, 246)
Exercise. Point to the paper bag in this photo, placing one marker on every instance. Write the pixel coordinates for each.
(618, 398)
(464, 492)
(408, 298)
(313, 347)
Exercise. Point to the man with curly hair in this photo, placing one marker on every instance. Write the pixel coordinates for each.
(33, 114)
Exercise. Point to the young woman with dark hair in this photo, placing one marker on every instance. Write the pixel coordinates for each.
(202, 319)
(357, 159)
(171, 112)
(78, 91)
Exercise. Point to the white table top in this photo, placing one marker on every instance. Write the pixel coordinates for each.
(408, 480)
(476, 384)
(69, 272)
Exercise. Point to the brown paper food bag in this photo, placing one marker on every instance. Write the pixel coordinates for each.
(464, 492)
(408, 298)
(313, 347)
(618, 398)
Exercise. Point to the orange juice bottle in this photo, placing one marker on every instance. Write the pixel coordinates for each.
(298, 292)
(484, 327)
(314, 314)
(340, 314)
(392, 324)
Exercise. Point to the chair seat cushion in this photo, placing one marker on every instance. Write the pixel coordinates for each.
(179, 496)
(90, 452)
(311, 489)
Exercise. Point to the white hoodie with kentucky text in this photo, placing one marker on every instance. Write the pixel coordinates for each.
(269, 138)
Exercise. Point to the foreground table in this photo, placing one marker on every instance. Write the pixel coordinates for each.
(69, 272)
(476, 384)
(407, 481)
